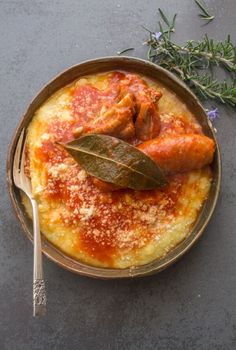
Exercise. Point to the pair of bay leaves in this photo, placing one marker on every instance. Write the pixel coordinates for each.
(115, 161)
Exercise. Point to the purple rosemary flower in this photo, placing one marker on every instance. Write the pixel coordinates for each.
(157, 35)
(213, 114)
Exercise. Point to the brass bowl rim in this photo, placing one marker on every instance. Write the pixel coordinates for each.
(55, 254)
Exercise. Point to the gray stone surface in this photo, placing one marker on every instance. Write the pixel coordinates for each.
(191, 305)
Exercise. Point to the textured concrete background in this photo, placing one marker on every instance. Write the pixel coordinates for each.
(191, 305)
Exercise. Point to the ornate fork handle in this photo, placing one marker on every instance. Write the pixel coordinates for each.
(39, 298)
(39, 292)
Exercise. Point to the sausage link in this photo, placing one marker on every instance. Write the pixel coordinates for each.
(180, 153)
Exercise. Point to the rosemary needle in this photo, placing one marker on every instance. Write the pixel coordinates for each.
(205, 14)
(125, 50)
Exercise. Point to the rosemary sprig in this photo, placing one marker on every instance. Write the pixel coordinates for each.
(205, 14)
(207, 50)
(189, 61)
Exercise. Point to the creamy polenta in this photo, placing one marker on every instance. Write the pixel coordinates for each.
(120, 228)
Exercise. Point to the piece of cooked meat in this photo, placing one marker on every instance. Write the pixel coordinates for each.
(180, 153)
(147, 124)
(117, 121)
(155, 95)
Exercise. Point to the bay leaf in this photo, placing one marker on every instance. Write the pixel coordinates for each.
(115, 161)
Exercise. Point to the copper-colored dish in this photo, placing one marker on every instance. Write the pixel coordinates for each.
(155, 72)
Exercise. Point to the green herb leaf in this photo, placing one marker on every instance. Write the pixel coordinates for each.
(163, 16)
(115, 161)
(205, 14)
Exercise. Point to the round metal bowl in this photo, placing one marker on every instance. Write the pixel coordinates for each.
(169, 80)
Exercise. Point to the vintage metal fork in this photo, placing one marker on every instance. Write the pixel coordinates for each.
(23, 183)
